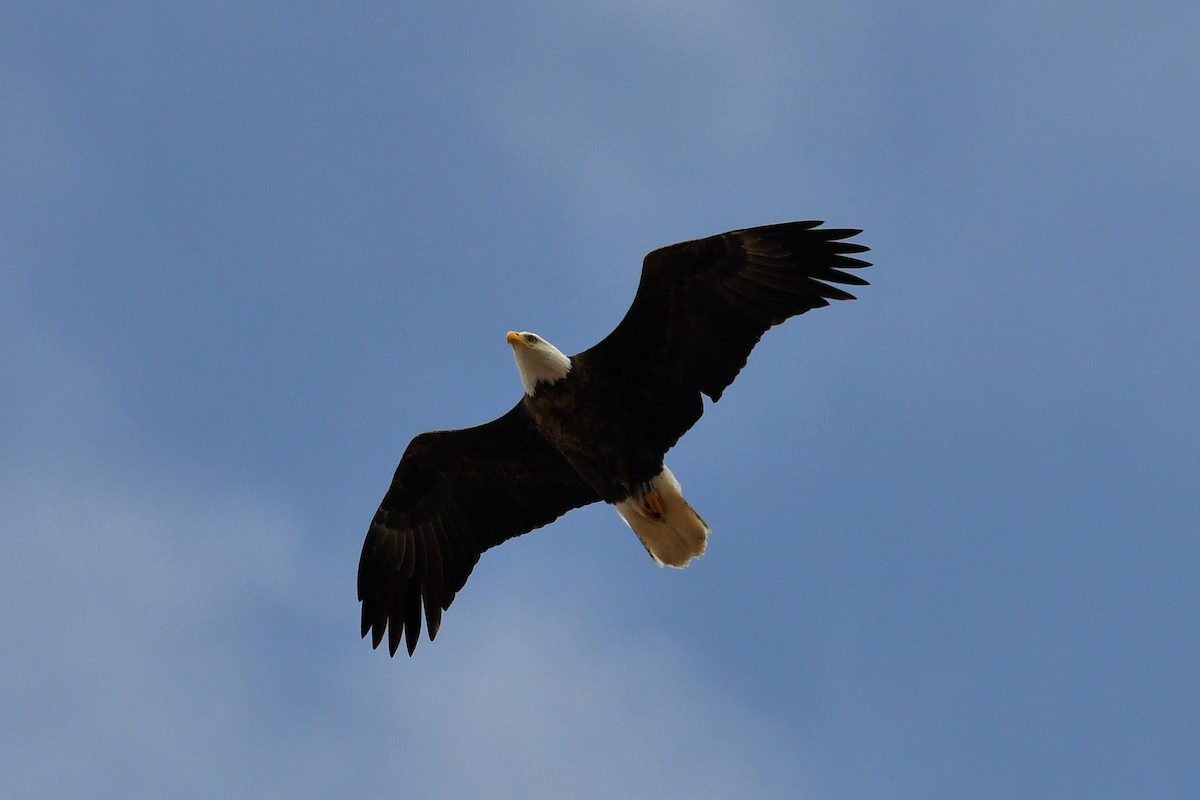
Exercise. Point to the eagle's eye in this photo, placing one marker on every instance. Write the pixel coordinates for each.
(530, 338)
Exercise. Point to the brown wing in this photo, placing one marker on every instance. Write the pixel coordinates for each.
(454, 495)
(702, 305)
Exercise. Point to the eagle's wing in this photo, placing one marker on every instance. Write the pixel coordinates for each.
(454, 495)
(702, 305)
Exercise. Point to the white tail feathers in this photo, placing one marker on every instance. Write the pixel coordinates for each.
(670, 529)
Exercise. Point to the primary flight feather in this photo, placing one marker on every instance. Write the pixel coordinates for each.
(596, 425)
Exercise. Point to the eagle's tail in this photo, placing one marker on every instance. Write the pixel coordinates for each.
(670, 529)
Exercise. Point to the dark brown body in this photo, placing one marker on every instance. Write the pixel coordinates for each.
(599, 433)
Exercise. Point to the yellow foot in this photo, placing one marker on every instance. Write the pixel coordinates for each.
(653, 505)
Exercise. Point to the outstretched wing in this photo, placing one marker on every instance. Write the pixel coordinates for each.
(454, 495)
(702, 305)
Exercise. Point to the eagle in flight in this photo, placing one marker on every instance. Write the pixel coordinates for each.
(596, 425)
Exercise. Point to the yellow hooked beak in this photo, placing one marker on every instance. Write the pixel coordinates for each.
(515, 339)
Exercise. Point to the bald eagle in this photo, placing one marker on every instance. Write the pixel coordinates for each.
(596, 425)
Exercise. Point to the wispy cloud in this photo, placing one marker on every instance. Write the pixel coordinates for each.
(634, 145)
(151, 619)
(532, 705)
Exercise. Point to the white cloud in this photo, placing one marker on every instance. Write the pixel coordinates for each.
(146, 667)
(524, 700)
(126, 609)
(169, 635)
(525, 704)
(125, 585)
(637, 145)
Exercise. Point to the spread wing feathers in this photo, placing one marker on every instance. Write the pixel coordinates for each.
(702, 305)
(454, 495)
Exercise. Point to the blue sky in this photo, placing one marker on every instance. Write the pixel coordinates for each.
(250, 249)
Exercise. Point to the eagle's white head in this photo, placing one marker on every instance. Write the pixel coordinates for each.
(538, 360)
